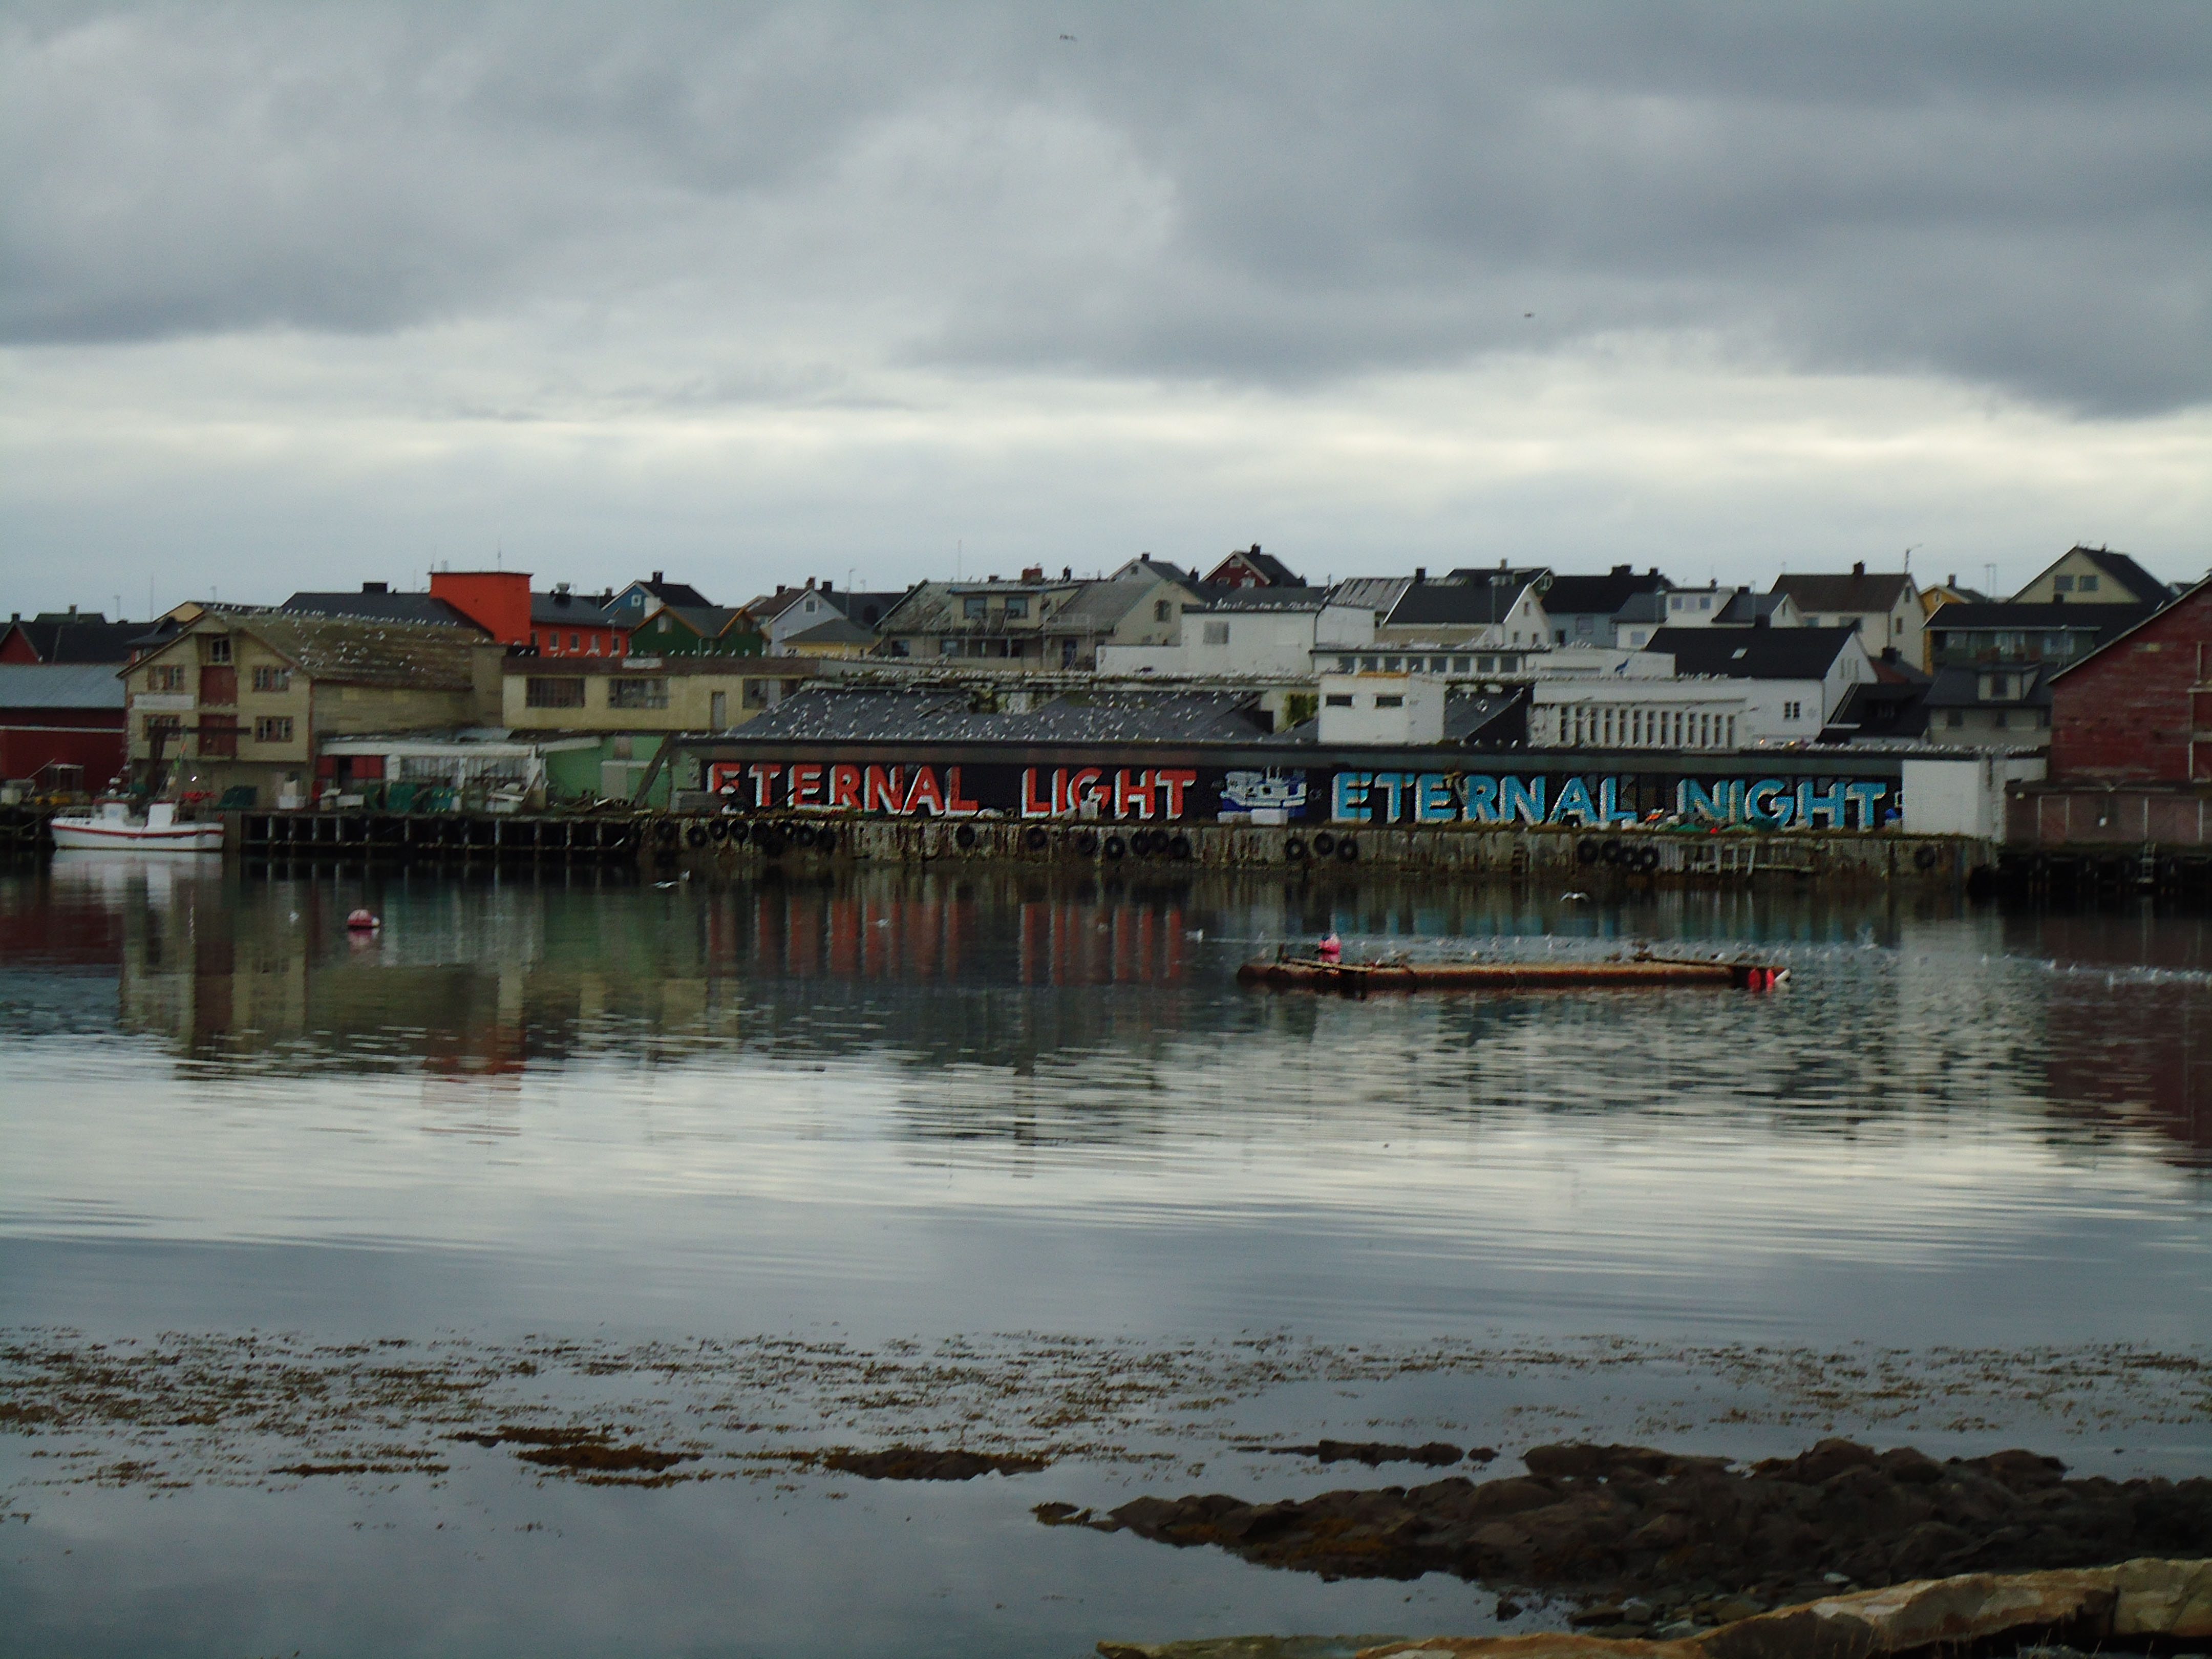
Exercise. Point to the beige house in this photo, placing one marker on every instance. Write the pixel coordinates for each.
(1034, 624)
(240, 700)
(2094, 575)
(645, 694)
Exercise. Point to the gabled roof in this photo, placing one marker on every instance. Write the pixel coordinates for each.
(708, 621)
(378, 606)
(1269, 568)
(1161, 567)
(2131, 576)
(1858, 592)
(67, 639)
(343, 650)
(1102, 607)
(1601, 596)
(1872, 711)
(1650, 607)
(671, 592)
(1754, 653)
(60, 685)
(1961, 687)
(1745, 607)
(1428, 604)
(2201, 593)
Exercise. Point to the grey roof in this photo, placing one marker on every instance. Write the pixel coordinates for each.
(709, 621)
(1650, 607)
(60, 685)
(1754, 653)
(1880, 710)
(1454, 604)
(2104, 619)
(868, 607)
(1478, 718)
(869, 715)
(1855, 592)
(1220, 596)
(1601, 596)
(832, 630)
(672, 592)
(81, 639)
(1101, 607)
(1172, 572)
(1744, 607)
(1378, 593)
(387, 607)
(422, 656)
(568, 610)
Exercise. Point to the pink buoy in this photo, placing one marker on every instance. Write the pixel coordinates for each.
(363, 922)
(1332, 948)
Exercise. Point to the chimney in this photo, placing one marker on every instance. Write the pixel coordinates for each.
(810, 584)
(374, 588)
(1951, 580)
(829, 587)
(1067, 573)
(1859, 569)
(1623, 570)
(780, 588)
(656, 579)
(72, 610)
(1143, 558)
(1420, 575)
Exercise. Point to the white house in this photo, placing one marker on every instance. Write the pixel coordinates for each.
(1798, 676)
(1396, 710)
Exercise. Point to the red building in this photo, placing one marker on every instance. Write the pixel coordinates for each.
(62, 724)
(1251, 567)
(2138, 710)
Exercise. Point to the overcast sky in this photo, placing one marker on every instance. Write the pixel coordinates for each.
(300, 295)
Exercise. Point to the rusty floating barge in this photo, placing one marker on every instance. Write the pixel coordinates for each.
(1309, 973)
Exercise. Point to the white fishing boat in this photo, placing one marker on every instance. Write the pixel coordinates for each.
(112, 826)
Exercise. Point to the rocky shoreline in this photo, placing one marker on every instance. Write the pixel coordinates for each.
(1653, 1544)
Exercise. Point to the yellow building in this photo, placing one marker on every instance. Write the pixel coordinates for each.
(240, 700)
(645, 694)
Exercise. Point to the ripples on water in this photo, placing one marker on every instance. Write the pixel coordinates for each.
(891, 1107)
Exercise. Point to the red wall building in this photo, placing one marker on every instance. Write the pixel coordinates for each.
(61, 725)
(2139, 709)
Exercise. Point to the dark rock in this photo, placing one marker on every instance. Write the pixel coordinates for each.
(1629, 1520)
(915, 1463)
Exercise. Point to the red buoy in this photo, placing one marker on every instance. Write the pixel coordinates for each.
(363, 922)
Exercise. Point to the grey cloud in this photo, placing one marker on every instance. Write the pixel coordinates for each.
(2015, 196)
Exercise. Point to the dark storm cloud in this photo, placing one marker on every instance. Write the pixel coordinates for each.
(2014, 196)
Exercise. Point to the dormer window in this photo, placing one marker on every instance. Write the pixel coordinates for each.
(1016, 609)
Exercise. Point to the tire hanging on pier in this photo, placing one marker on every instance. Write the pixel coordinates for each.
(965, 836)
(1179, 848)
(1086, 843)
(1114, 848)
(1294, 849)
(1324, 844)
(1035, 839)
(1586, 850)
(807, 835)
(1347, 851)
(697, 835)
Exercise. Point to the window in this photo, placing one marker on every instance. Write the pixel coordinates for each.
(552, 693)
(2061, 584)
(1346, 664)
(756, 694)
(1016, 609)
(170, 678)
(218, 648)
(1677, 603)
(1164, 610)
(1389, 699)
(637, 693)
(1393, 665)
(1792, 711)
(273, 728)
(575, 643)
(2087, 585)
(1340, 700)
(1461, 664)
(1585, 624)
(169, 725)
(1705, 602)
(1955, 718)
(1217, 633)
(272, 679)
(948, 647)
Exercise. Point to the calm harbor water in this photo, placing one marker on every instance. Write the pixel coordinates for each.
(987, 1158)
